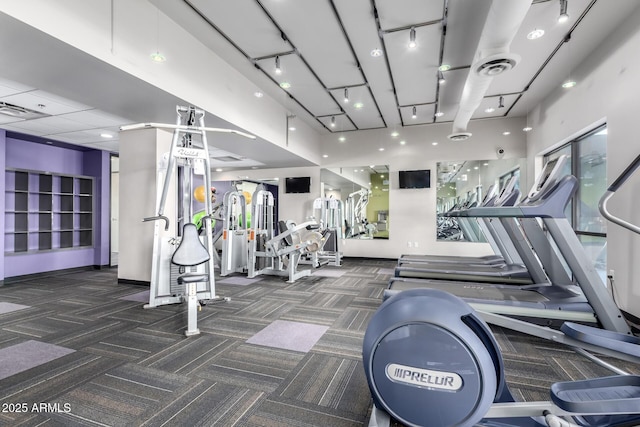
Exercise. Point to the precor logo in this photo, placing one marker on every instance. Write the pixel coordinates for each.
(424, 378)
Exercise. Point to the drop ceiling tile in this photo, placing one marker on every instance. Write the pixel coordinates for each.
(53, 105)
(8, 87)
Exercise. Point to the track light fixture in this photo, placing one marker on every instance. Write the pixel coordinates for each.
(412, 38)
(278, 69)
(441, 79)
(501, 102)
(346, 95)
(333, 121)
(415, 113)
(564, 16)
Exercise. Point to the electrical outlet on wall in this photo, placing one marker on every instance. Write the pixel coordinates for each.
(415, 244)
(409, 244)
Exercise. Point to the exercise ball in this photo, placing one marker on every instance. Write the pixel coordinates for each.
(199, 193)
(247, 197)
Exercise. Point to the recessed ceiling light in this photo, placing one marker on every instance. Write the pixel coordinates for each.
(380, 149)
(403, 142)
(258, 94)
(358, 105)
(434, 143)
(394, 134)
(158, 57)
(535, 34)
(569, 84)
(475, 168)
(506, 133)
(439, 114)
(325, 155)
(106, 135)
(444, 67)
(527, 129)
(490, 110)
(342, 139)
(218, 170)
(49, 142)
(285, 85)
(485, 164)
(468, 170)
(376, 52)
(292, 128)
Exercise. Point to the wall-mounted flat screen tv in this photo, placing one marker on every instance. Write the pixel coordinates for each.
(414, 179)
(301, 184)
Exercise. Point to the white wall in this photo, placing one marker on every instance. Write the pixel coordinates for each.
(296, 207)
(412, 212)
(608, 91)
(126, 34)
(140, 152)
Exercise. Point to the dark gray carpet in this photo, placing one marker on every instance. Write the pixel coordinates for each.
(122, 365)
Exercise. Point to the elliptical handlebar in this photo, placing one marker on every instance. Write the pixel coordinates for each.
(156, 218)
(602, 204)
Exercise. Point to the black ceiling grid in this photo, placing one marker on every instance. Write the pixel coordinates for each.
(355, 57)
(252, 60)
(565, 39)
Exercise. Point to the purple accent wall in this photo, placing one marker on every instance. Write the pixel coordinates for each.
(98, 164)
(27, 154)
(2, 199)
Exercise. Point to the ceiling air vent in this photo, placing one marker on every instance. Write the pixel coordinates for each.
(494, 65)
(459, 136)
(18, 112)
(227, 159)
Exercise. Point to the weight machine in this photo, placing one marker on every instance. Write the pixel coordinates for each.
(280, 254)
(355, 212)
(187, 159)
(233, 258)
(330, 212)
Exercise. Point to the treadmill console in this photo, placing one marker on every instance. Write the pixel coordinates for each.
(548, 177)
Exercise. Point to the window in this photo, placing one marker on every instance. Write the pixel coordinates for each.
(588, 162)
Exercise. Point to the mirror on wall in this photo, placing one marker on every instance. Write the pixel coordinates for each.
(463, 184)
(364, 193)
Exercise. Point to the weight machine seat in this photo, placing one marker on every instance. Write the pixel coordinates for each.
(190, 252)
(282, 227)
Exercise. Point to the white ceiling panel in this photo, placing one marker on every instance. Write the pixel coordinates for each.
(414, 70)
(95, 118)
(244, 22)
(304, 86)
(361, 108)
(395, 14)
(8, 87)
(6, 119)
(52, 104)
(464, 26)
(342, 123)
(105, 145)
(357, 17)
(35, 131)
(318, 39)
(83, 136)
(484, 110)
(424, 114)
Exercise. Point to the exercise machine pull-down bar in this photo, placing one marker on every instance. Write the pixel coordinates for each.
(188, 157)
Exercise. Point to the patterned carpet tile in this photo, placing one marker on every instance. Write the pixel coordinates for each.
(278, 412)
(232, 326)
(341, 343)
(47, 382)
(250, 366)
(132, 345)
(328, 381)
(207, 403)
(266, 308)
(317, 315)
(354, 319)
(188, 355)
(332, 300)
(93, 332)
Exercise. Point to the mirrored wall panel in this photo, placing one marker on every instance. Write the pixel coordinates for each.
(464, 184)
(364, 195)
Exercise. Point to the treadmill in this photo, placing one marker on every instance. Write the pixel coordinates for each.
(504, 251)
(548, 303)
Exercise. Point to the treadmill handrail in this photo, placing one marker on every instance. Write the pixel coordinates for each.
(546, 207)
(602, 205)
